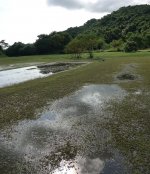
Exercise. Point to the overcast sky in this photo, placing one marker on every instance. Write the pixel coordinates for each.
(23, 20)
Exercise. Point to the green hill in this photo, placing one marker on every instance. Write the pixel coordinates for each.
(118, 24)
(126, 29)
(126, 25)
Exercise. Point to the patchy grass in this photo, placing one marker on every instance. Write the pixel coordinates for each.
(130, 122)
(22, 100)
(130, 129)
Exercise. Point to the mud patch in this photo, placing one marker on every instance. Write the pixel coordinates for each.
(127, 76)
(128, 73)
(58, 67)
(14, 76)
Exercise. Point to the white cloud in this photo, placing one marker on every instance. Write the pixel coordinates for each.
(70, 4)
(23, 20)
(95, 5)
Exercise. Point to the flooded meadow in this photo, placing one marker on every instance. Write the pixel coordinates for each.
(91, 120)
(68, 136)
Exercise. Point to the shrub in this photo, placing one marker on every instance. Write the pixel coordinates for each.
(130, 46)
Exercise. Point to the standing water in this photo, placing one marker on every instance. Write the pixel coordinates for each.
(68, 137)
(14, 76)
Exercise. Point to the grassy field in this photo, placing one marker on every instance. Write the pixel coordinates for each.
(26, 95)
(66, 57)
(21, 101)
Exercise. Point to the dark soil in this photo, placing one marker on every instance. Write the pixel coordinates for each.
(126, 76)
(57, 67)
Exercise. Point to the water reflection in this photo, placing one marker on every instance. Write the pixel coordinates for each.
(14, 76)
(67, 137)
(80, 166)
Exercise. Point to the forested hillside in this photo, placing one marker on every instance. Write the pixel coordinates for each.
(134, 19)
(126, 29)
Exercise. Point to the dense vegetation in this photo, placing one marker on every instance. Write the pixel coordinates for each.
(127, 29)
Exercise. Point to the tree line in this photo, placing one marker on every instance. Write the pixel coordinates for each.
(127, 29)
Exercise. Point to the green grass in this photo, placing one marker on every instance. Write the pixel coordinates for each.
(21, 101)
(31, 59)
(65, 57)
(129, 127)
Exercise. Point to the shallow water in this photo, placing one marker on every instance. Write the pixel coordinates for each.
(14, 76)
(67, 137)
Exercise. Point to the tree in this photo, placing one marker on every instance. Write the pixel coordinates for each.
(85, 42)
(100, 44)
(112, 34)
(52, 43)
(15, 49)
(89, 43)
(1, 50)
(146, 40)
(138, 39)
(117, 44)
(130, 46)
(28, 49)
(58, 41)
(42, 44)
(75, 47)
(20, 49)
(4, 45)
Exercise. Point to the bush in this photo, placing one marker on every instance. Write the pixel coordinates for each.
(130, 46)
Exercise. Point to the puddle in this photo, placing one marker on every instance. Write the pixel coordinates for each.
(138, 92)
(18, 65)
(14, 76)
(68, 137)
(83, 165)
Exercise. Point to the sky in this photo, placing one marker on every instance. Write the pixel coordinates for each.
(24, 20)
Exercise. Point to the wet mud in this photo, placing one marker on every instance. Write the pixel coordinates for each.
(58, 67)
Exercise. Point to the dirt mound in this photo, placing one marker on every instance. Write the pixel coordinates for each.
(126, 76)
(128, 73)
